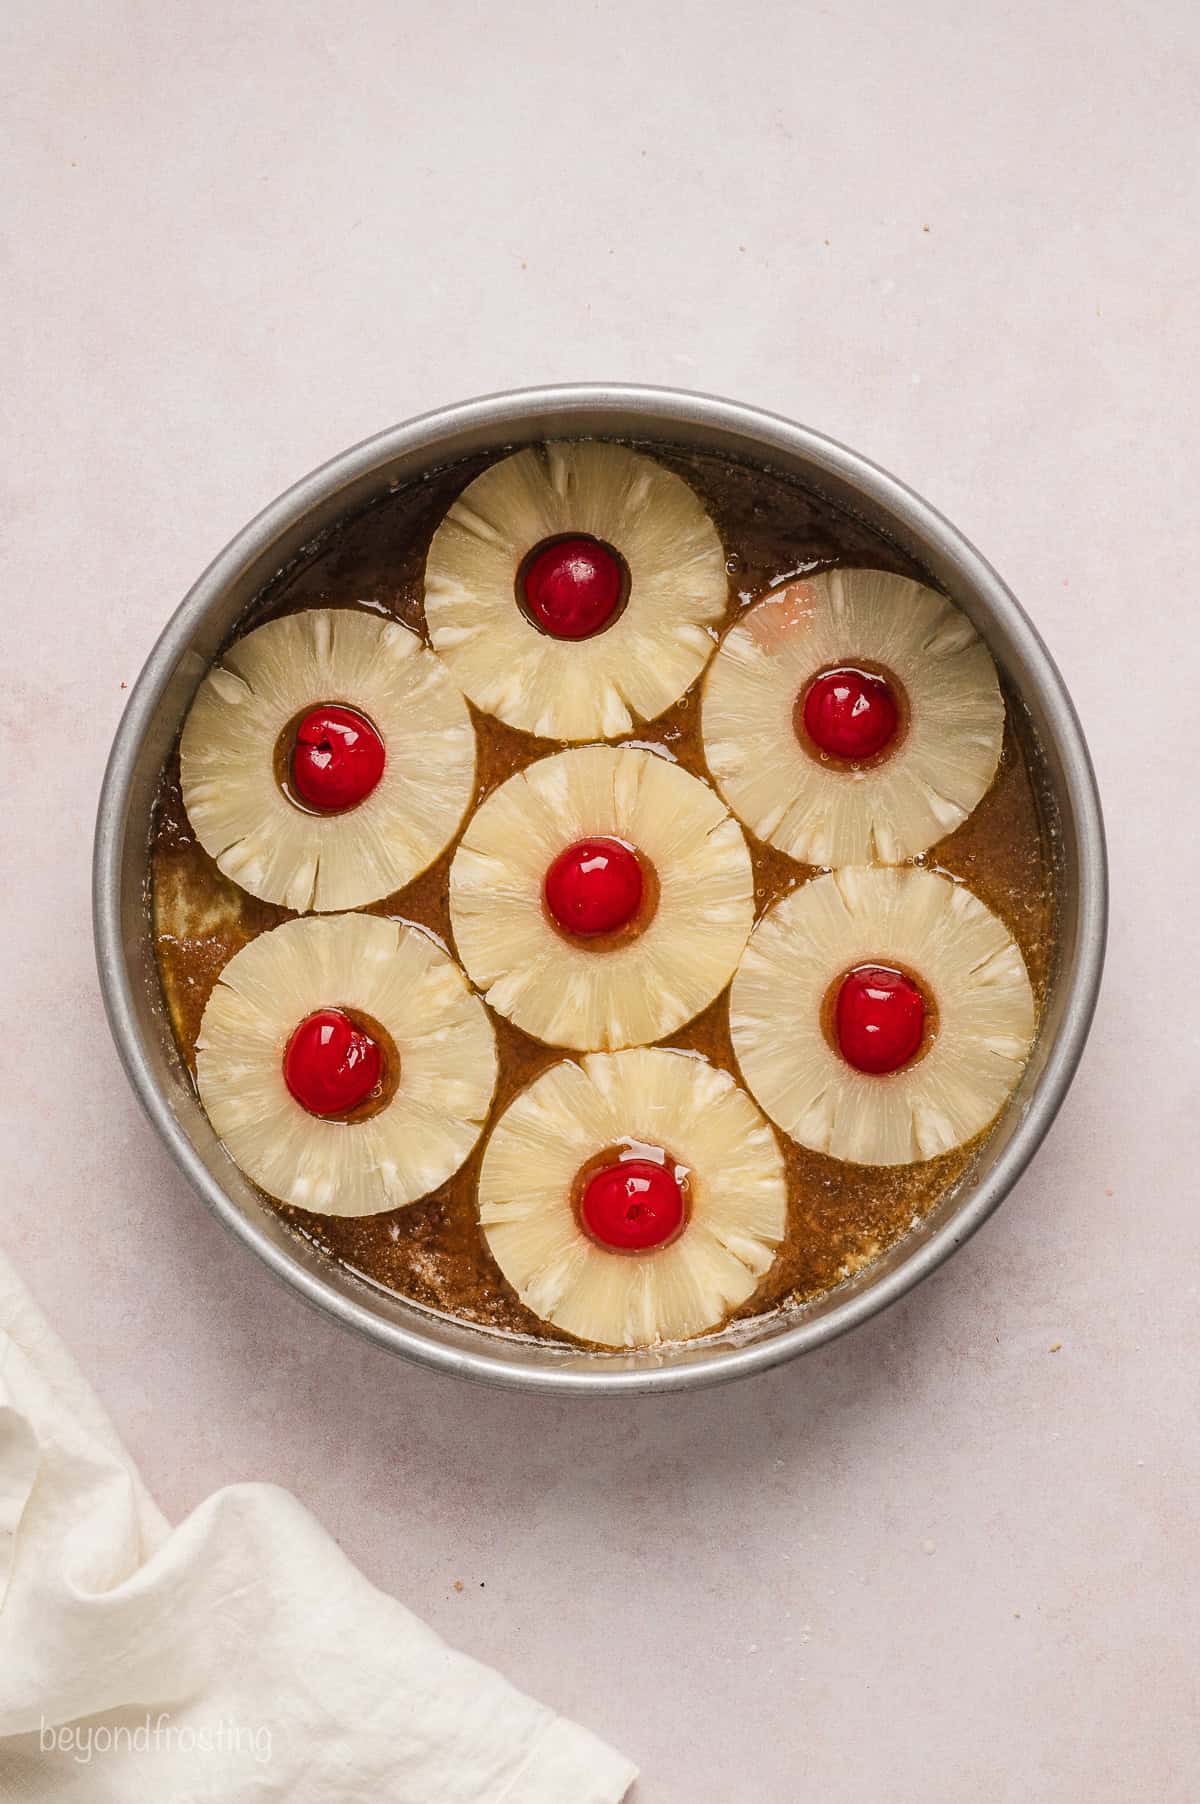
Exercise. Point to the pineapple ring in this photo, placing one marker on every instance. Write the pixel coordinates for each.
(591, 688)
(823, 812)
(279, 851)
(398, 977)
(964, 960)
(575, 995)
(648, 1098)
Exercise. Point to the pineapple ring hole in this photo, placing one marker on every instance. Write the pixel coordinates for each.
(367, 758)
(852, 716)
(902, 1016)
(606, 886)
(633, 1197)
(572, 586)
(387, 1080)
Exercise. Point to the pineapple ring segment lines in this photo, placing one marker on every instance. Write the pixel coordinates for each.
(960, 954)
(259, 837)
(850, 720)
(822, 811)
(652, 651)
(571, 994)
(381, 969)
(737, 1212)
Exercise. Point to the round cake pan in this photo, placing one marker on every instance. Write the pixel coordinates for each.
(202, 623)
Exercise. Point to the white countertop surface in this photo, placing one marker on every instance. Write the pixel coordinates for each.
(940, 1561)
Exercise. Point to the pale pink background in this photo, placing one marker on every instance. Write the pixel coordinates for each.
(939, 1561)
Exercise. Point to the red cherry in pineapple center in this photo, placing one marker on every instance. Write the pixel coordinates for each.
(850, 713)
(331, 1066)
(572, 587)
(879, 1019)
(594, 887)
(632, 1205)
(338, 758)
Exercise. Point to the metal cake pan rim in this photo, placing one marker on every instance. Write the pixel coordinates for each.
(660, 412)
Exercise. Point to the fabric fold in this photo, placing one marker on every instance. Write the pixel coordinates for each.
(239, 1655)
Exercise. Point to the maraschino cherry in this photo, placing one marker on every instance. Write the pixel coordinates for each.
(338, 758)
(632, 1205)
(850, 714)
(572, 587)
(331, 1066)
(879, 1019)
(594, 887)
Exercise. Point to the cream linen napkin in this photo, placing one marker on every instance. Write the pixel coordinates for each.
(237, 1657)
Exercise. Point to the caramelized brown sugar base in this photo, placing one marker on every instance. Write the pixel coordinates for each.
(840, 1216)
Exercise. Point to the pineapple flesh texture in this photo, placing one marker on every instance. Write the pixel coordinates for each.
(592, 688)
(737, 1194)
(399, 977)
(824, 814)
(283, 853)
(567, 993)
(962, 956)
